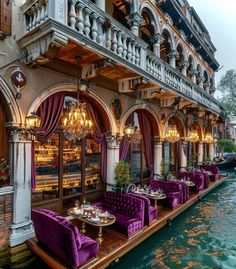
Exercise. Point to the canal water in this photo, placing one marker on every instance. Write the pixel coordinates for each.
(203, 237)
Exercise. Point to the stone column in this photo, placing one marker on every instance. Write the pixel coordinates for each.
(158, 39)
(20, 167)
(211, 151)
(200, 79)
(112, 159)
(183, 155)
(135, 21)
(184, 66)
(101, 4)
(200, 152)
(194, 76)
(172, 58)
(206, 86)
(157, 155)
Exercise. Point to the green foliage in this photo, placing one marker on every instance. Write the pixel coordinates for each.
(227, 86)
(165, 167)
(228, 145)
(122, 174)
(3, 166)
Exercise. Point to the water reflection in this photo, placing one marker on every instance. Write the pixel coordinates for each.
(204, 237)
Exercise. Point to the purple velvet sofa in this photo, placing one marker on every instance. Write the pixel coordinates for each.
(128, 210)
(213, 169)
(185, 192)
(62, 238)
(172, 189)
(150, 212)
(200, 180)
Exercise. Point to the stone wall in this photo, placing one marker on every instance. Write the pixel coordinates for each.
(5, 222)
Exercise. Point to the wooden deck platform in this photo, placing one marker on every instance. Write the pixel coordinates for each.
(116, 245)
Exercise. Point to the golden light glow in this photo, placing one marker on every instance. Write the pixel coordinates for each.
(33, 120)
(193, 136)
(129, 130)
(172, 135)
(76, 123)
(209, 138)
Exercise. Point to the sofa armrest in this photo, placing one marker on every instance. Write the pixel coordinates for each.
(173, 194)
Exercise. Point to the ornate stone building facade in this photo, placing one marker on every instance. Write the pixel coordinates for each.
(140, 59)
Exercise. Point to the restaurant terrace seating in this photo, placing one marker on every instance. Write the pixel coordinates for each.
(150, 212)
(172, 189)
(62, 238)
(213, 169)
(198, 178)
(185, 192)
(128, 210)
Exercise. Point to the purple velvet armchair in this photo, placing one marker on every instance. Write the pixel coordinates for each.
(128, 210)
(198, 178)
(150, 212)
(213, 169)
(62, 238)
(172, 189)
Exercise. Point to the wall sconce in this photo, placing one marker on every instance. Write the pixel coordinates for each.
(33, 121)
(129, 130)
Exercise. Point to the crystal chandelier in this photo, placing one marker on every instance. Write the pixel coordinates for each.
(209, 138)
(172, 136)
(193, 137)
(76, 123)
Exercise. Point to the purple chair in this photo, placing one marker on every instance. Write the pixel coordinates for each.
(197, 177)
(128, 210)
(62, 238)
(150, 212)
(213, 169)
(185, 192)
(172, 189)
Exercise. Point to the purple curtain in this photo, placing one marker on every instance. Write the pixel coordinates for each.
(50, 112)
(147, 133)
(125, 141)
(98, 134)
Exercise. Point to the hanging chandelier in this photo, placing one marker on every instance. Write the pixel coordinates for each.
(172, 136)
(193, 137)
(76, 123)
(209, 138)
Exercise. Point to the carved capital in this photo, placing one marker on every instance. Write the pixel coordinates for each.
(172, 54)
(19, 134)
(158, 38)
(158, 140)
(113, 141)
(135, 19)
(184, 64)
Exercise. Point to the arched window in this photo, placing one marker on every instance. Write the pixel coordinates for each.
(67, 168)
(4, 149)
(206, 82)
(198, 76)
(165, 46)
(121, 11)
(190, 67)
(180, 57)
(147, 30)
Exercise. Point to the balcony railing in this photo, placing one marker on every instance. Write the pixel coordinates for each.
(88, 24)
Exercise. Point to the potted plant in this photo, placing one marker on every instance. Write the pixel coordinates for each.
(3, 171)
(122, 175)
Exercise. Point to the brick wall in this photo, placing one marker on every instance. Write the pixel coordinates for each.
(5, 222)
(5, 16)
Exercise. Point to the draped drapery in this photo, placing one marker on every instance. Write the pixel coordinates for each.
(99, 135)
(50, 112)
(147, 134)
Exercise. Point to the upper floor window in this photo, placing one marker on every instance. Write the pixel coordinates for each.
(5, 16)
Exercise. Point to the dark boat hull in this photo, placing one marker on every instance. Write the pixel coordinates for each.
(230, 163)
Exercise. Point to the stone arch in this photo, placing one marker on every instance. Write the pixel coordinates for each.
(180, 122)
(199, 128)
(167, 48)
(14, 114)
(191, 66)
(157, 128)
(198, 74)
(152, 14)
(181, 57)
(73, 88)
(166, 29)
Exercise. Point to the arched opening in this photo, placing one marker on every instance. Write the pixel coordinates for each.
(5, 117)
(194, 137)
(165, 46)
(121, 9)
(65, 168)
(180, 57)
(171, 149)
(190, 68)
(206, 82)
(147, 30)
(198, 75)
(138, 150)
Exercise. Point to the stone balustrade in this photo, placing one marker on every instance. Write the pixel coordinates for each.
(108, 36)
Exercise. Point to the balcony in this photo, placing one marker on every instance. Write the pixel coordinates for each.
(50, 32)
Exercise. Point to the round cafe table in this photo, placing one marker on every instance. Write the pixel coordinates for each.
(100, 221)
(156, 197)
